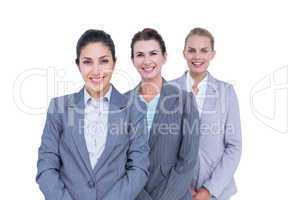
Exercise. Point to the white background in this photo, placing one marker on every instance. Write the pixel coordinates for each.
(257, 44)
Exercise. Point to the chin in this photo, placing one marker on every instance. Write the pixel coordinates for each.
(148, 77)
(198, 70)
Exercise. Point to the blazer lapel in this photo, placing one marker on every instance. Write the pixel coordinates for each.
(211, 96)
(117, 102)
(166, 91)
(182, 82)
(77, 110)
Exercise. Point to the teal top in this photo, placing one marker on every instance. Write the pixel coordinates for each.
(151, 110)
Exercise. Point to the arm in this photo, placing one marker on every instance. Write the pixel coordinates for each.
(224, 171)
(178, 183)
(49, 161)
(144, 195)
(135, 178)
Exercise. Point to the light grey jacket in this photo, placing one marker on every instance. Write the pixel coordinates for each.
(220, 140)
(64, 169)
(174, 144)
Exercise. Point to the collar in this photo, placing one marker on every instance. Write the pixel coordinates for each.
(88, 98)
(190, 81)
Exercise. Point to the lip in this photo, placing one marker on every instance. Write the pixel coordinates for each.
(198, 64)
(148, 69)
(97, 80)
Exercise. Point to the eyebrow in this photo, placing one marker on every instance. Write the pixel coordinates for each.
(196, 48)
(155, 50)
(102, 57)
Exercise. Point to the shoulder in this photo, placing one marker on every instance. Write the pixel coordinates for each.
(135, 107)
(60, 103)
(221, 86)
(224, 91)
(179, 82)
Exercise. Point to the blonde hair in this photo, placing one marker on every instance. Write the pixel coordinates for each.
(201, 32)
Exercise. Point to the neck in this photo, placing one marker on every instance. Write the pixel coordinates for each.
(151, 87)
(99, 94)
(197, 77)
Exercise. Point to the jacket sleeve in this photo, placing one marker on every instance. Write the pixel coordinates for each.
(136, 176)
(224, 171)
(144, 195)
(177, 184)
(49, 162)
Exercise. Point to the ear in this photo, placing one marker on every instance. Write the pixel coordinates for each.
(165, 56)
(115, 63)
(213, 54)
(183, 52)
(77, 64)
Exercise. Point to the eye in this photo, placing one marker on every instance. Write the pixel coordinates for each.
(139, 55)
(153, 53)
(86, 62)
(205, 50)
(104, 61)
(191, 50)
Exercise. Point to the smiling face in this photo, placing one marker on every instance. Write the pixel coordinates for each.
(148, 59)
(198, 53)
(96, 66)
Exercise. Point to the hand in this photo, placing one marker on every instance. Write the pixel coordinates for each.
(201, 194)
(194, 193)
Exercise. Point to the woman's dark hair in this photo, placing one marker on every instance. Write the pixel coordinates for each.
(91, 36)
(148, 34)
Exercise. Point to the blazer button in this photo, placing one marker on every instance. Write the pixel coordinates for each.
(91, 184)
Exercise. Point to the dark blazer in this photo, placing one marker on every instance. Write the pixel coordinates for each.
(64, 169)
(174, 144)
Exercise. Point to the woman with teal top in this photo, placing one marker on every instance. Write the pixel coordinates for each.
(172, 120)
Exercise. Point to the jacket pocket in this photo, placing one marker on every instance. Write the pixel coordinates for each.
(165, 169)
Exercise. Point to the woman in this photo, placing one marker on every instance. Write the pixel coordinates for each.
(93, 145)
(172, 120)
(220, 140)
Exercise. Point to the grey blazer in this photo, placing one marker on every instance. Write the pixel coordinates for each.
(220, 140)
(174, 144)
(64, 169)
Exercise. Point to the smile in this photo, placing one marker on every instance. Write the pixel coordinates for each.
(148, 69)
(97, 80)
(198, 64)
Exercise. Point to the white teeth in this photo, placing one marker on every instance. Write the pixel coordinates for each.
(148, 69)
(98, 79)
(198, 64)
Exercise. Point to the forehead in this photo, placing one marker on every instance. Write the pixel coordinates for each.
(198, 41)
(146, 45)
(95, 49)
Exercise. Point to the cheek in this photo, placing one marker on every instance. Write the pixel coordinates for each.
(83, 71)
(208, 57)
(160, 61)
(137, 63)
(108, 69)
(188, 57)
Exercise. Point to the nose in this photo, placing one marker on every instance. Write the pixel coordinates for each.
(147, 60)
(198, 55)
(96, 68)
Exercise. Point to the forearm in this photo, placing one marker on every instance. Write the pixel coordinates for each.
(224, 171)
(143, 195)
(52, 186)
(129, 186)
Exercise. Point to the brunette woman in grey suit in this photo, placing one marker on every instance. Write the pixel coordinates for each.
(93, 144)
(172, 121)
